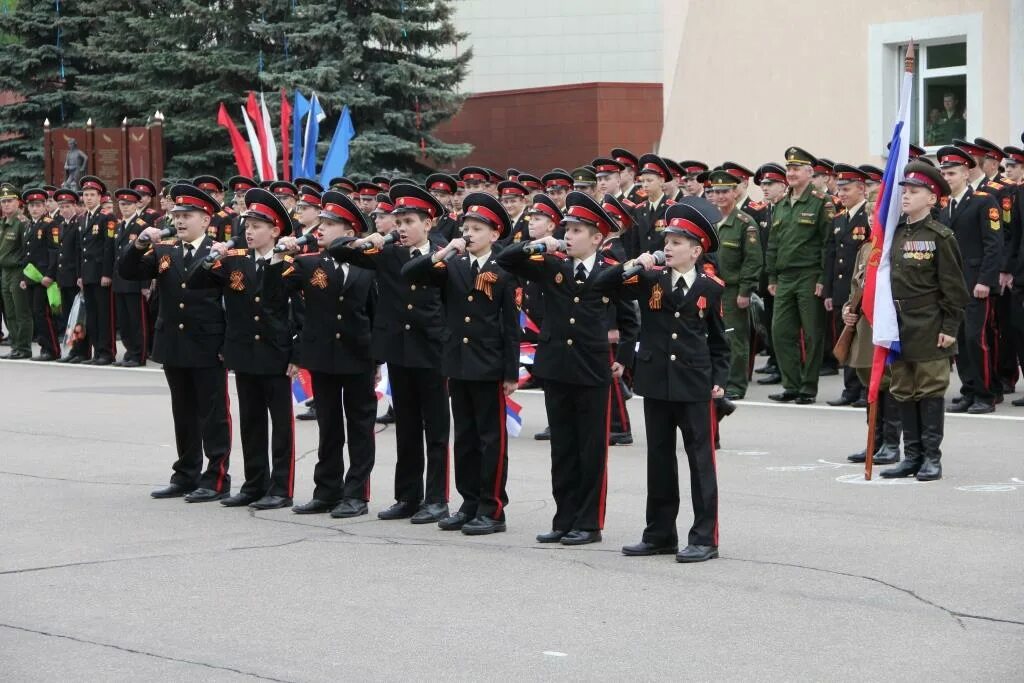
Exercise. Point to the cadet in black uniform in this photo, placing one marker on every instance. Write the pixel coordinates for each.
(42, 244)
(974, 217)
(96, 271)
(334, 347)
(67, 269)
(189, 341)
(683, 363)
(481, 358)
(258, 349)
(146, 190)
(408, 334)
(572, 361)
(628, 185)
(130, 305)
(650, 215)
(443, 187)
(557, 184)
(221, 224)
(850, 230)
(514, 197)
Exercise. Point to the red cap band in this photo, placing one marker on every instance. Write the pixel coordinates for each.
(126, 196)
(929, 182)
(142, 189)
(692, 227)
(92, 184)
(415, 203)
(486, 214)
(384, 207)
(651, 166)
(368, 192)
(626, 161)
(195, 202)
(694, 169)
(474, 176)
(623, 218)
(954, 159)
(531, 184)
(547, 211)
(1019, 158)
(440, 185)
(590, 217)
(285, 190)
(512, 191)
(266, 211)
(309, 198)
(341, 213)
(849, 175)
(209, 186)
(559, 182)
(771, 175)
(606, 168)
(36, 197)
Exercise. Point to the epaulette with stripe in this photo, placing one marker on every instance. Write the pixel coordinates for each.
(981, 193)
(756, 206)
(745, 218)
(237, 252)
(610, 261)
(168, 243)
(626, 203)
(440, 264)
(139, 221)
(536, 257)
(714, 278)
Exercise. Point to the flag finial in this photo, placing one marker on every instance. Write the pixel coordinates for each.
(908, 60)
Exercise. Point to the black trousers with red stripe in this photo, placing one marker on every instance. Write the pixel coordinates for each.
(975, 361)
(481, 447)
(202, 424)
(696, 422)
(258, 397)
(132, 324)
(45, 327)
(1004, 342)
(344, 401)
(99, 320)
(420, 397)
(579, 417)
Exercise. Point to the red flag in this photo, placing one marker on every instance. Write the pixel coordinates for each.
(286, 148)
(243, 156)
(252, 107)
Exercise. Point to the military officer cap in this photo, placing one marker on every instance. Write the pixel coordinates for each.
(127, 194)
(677, 171)
(845, 174)
(545, 205)
(530, 182)
(626, 158)
(309, 196)
(557, 179)
(1014, 155)
(343, 184)
(693, 167)
(336, 206)
(770, 173)
(367, 189)
(970, 147)
(580, 207)
(264, 205)
(652, 163)
(415, 199)
(50, 189)
(604, 166)
(384, 205)
(8, 191)
(614, 208)
(309, 182)
(382, 181)
(992, 150)
(583, 177)
(34, 194)
(512, 188)
(474, 174)
(493, 176)
(63, 194)
(695, 220)
(143, 186)
(511, 174)
(484, 207)
(824, 166)
(188, 197)
(240, 183)
(704, 178)
(951, 155)
(91, 182)
(796, 156)
(926, 176)
(282, 188)
(741, 172)
(208, 183)
(720, 179)
(265, 184)
(873, 173)
(441, 182)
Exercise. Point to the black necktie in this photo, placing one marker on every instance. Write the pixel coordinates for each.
(415, 253)
(188, 254)
(681, 286)
(475, 268)
(581, 274)
(261, 264)
(952, 206)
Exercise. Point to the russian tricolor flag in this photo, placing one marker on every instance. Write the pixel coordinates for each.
(513, 419)
(527, 324)
(302, 387)
(527, 352)
(524, 376)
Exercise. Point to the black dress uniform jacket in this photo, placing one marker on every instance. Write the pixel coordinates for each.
(647, 235)
(96, 256)
(127, 232)
(67, 259)
(848, 235)
(482, 317)
(42, 244)
(977, 224)
(189, 330)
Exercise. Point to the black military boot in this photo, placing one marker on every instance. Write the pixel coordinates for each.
(888, 452)
(912, 448)
(932, 428)
(861, 454)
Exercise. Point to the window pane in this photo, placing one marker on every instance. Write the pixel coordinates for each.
(942, 56)
(944, 113)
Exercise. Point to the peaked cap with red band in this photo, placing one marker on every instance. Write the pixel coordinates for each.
(265, 206)
(408, 198)
(695, 218)
(191, 198)
(582, 208)
(336, 206)
(484, 207)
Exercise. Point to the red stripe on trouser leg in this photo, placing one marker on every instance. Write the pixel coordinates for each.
(620, 403)
(50, 328)
(291, 465)
(145, 327)
(113, 323)
(503, 441)
(223, 469)
(986, 376)
(714, 464)
(602, 504)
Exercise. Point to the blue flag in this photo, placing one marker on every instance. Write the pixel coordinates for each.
(299, 111)
(312, 134)
(337, 154)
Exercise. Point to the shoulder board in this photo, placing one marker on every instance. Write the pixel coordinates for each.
(626, 203)
(441, 265)
(817, 193)
(938, 228)
(237, 252)
(169, 243)
(744, 217)
(229, 211)
(139, 221)
(454, 216)
(287, 259)
(610, 261)
(714, 278)
(669, 202)
(288, 271)
(306, 255)
(981, 193)
(658, 269)
(222, 214)
(537, 257)
(150, 211)
(106, 212)
(995, 185)
(757, 206)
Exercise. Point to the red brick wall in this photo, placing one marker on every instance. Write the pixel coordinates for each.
(537, 129)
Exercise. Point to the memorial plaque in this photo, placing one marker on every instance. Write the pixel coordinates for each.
(139, 153)
(109, 155)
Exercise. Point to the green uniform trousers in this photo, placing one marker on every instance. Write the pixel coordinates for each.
(17, 310)
(798, 331)
(913, 381)
(737, 325)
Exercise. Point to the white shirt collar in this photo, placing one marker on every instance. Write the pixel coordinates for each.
(195, 243)
(588, 263)
(689, 277)
(856, 208)
(424, 248)
(269, 255)
(481, 261)
(960, 196)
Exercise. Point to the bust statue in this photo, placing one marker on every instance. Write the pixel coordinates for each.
(74, 165)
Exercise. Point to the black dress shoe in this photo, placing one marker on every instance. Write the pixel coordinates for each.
(117, 363)
(310, 414)
(805, 400)
(103, 360)
(784, 396)
(454, 522)
(551, 537)
(350, 507)
(402, 509)
(430, 513)
(481, 526)
(771, 379)
(173, 491)
(860, 403)
(65, 359)
(858, 457)
(1019, 402)
(271, 503)
(76, 360)
(620, 439)
(581, 537)
(841, 401)
(697, 553)
(205, 496)
(239, 500)
(961, 406)
(131, 364)
(733, 396)
(44, 357)
(981, 408)
(315, 507)
(767, 369)
(543, 436)
(827, 372)
(643, 549)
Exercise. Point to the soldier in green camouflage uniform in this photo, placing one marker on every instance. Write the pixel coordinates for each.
(795, 263)
(16, 304)
(739, 265)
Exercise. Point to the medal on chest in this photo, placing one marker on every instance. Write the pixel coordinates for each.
(702, 305)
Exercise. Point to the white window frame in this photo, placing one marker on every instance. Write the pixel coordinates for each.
(885, 66)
